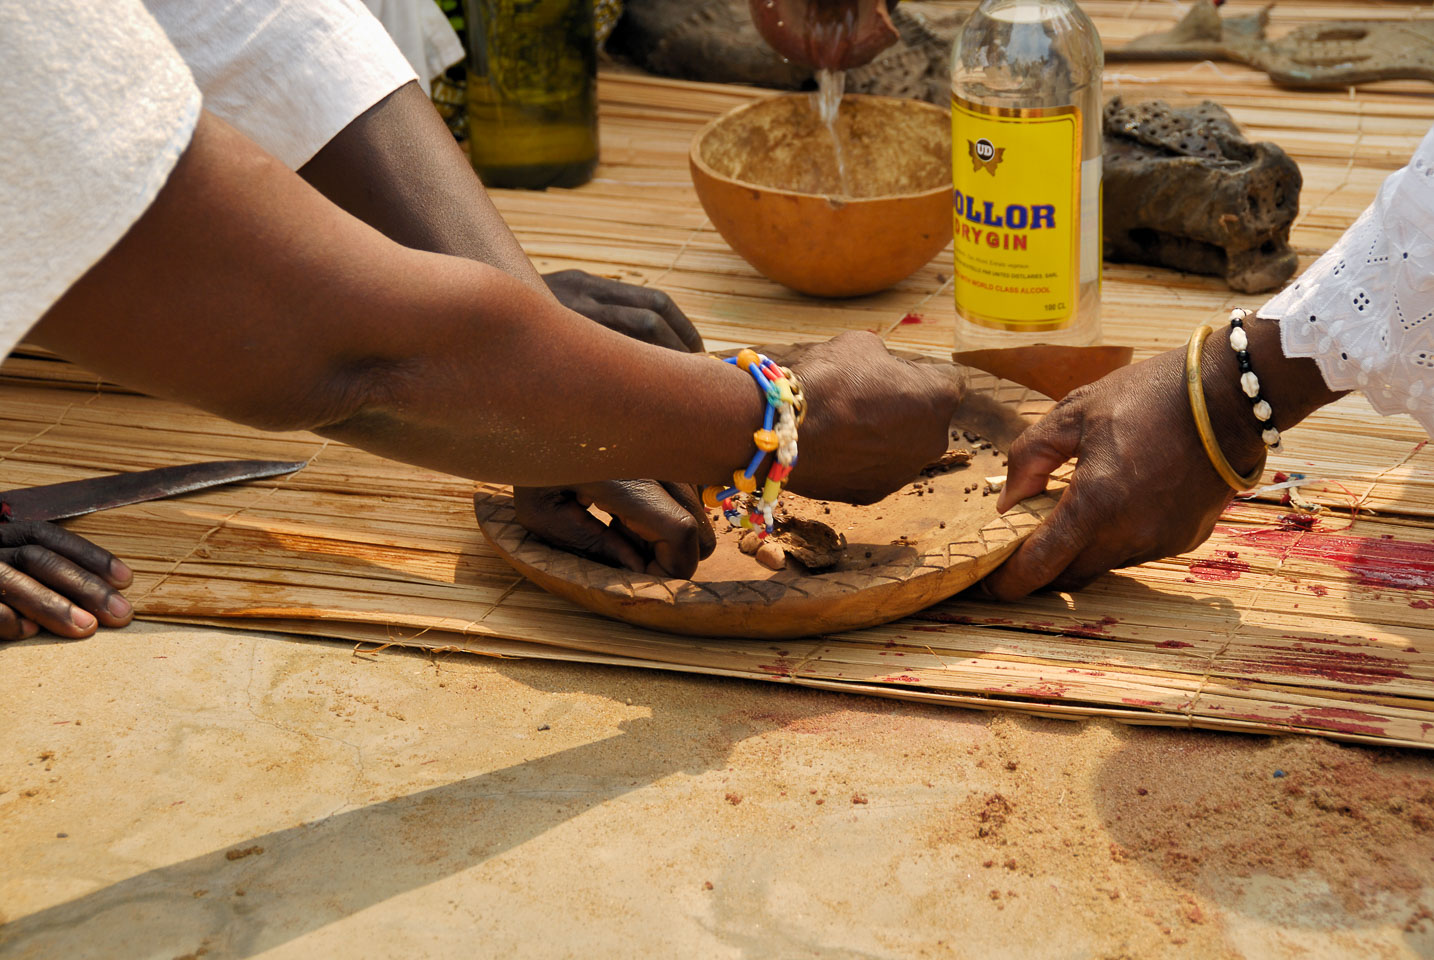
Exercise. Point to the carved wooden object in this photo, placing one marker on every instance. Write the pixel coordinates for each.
(916, 547)
(1334, 54)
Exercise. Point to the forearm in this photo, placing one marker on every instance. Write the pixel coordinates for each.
(1143, 486)
(527, 392)
(397, 168)
(1293, 386)
(244, 292)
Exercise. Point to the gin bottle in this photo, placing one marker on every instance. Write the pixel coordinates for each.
(1026, 165)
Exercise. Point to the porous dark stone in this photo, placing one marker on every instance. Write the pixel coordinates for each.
(1184, 189)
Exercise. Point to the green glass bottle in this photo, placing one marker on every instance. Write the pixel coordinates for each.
(532, 92)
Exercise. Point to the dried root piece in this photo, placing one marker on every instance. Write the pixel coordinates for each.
(771, 555)
(948, 460)
(811, 543)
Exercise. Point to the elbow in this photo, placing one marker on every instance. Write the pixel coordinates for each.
(368, 391)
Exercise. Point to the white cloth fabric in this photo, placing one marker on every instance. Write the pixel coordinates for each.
(1365, 310)
(288, 75)
(99, 98)
(422, 32)
(96, 107)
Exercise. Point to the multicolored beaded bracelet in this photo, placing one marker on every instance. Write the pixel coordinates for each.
(1249, 383)
(786, 409)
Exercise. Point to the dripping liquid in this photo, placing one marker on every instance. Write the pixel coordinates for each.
(830, 86)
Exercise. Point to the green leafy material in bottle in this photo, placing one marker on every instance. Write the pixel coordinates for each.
(532, 92)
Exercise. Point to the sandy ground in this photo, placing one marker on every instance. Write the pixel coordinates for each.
(175, 792)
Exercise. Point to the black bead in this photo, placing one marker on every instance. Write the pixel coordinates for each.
(1236, 322)
(1245, 364)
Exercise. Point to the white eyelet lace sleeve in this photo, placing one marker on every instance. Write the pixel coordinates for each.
(1365, 310)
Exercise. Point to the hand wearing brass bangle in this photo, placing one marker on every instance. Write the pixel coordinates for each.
(1195, 388)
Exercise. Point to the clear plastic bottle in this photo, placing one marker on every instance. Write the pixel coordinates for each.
(1026, 156)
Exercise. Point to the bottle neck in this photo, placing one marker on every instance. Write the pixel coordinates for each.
(1026, 11)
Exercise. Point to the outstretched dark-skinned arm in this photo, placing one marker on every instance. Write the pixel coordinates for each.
(396, 167)
(1144, 488)
(245, 292)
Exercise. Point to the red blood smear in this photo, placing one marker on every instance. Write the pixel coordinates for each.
(1342, 713)
(1174, 644)
(1421, 605)
(938, 616)
(1388, 564)
(912, 318)
(1319, 590)
(1347, 668)
(1219, 569)
(1312, 719)
(1328, 641)
(1054, 691)
(1300, 521)
(1095, 630)
(1338, 719)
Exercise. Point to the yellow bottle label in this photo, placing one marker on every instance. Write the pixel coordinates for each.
(1017, 178)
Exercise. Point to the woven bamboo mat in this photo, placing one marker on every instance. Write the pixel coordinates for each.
(1268, 627)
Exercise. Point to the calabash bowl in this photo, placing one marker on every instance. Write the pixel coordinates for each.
(768, 178)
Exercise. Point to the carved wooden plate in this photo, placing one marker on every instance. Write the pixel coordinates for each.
(924, 543)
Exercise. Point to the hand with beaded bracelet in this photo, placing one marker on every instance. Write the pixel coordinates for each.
(785, 410)
(1149, 482)
(858, 447)
(655, 527)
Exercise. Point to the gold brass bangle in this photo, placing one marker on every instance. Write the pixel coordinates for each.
(1195, 388)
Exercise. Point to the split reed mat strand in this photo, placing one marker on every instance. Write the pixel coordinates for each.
(1267, 628)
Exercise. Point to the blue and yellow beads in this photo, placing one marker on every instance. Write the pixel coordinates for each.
(786, 408)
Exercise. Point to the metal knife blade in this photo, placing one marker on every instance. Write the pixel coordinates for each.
(74, 498)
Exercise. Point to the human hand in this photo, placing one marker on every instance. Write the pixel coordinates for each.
(643, 313)
(873, 420)
(656, 528)
(53, 580)
(827, 35)
(1143, 488)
